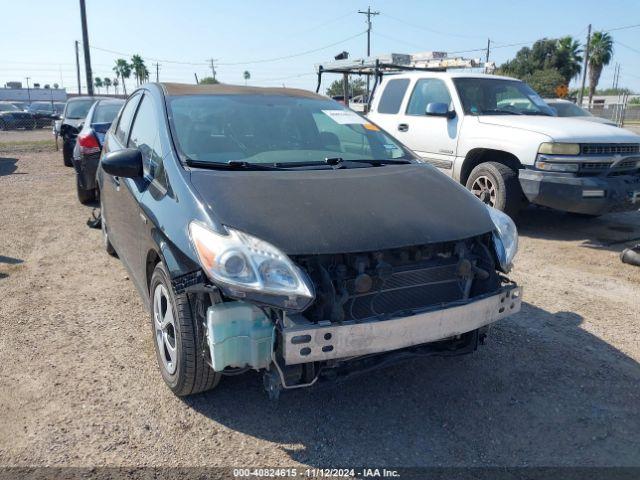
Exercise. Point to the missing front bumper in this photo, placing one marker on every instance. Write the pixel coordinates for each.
(307, 342)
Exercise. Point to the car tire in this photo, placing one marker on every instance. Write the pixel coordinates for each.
(67, 153)
(497, 185)
(85, 196)
(105, 234)
(178, 339)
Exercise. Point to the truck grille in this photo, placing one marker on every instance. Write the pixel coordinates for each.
(610, 148)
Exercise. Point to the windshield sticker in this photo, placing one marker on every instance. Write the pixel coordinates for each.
(345, 117)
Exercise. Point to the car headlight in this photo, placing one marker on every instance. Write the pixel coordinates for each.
(247, 267)
(551, 148)
(505, 238)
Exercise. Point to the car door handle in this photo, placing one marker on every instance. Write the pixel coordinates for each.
(403, 127)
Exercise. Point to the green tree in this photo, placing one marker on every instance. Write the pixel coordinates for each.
(106, 81)
(115, 83)
(634, 101)
(139, 69)
(545, 81)
(123, 70)
(356, 87)
(246, 75)
(97, 82)
(568, 58)
(208, 81)
(600, 54)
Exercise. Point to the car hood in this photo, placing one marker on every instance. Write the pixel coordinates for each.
(565, 129)
(344, 210)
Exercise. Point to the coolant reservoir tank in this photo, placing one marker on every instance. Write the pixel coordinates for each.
(239, 335)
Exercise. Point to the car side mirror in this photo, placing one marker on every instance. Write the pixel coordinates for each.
(125, 163)
(439, 109)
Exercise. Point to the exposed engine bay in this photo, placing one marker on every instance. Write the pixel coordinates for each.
(392, 282)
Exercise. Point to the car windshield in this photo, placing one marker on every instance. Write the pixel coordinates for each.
(7, 107)
(105, 112)
(78, 109)
(568, 109)
(494, 96)
(270, 129)
(41, 106)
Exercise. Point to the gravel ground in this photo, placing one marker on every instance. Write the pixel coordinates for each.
(557, 384)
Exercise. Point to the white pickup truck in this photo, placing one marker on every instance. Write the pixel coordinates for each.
(498, 137)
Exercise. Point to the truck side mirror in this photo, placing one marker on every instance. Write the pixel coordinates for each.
(439, 109)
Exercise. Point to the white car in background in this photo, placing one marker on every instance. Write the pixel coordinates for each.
(565, 108)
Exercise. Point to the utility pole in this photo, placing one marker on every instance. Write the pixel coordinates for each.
(157, 72)
(486, 58)
(196, 75)
(28, 89)
(213, 67)
(85, 46)
(584, 69)
(369, 14)
(78, 67)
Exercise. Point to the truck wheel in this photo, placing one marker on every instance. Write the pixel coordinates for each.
(85, 196)
(67, 153)
(105, 233)
(496, 185)
(177, 339)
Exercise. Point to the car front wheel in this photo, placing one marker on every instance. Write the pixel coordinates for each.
(498, 186)
(178, 339)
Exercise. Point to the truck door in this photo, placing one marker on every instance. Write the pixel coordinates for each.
(429, 125)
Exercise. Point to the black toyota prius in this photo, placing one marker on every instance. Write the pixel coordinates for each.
(276, 230)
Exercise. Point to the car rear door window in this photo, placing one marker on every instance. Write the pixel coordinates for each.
(392, 95)
(124, 122)
(144, 136)
(426, 91)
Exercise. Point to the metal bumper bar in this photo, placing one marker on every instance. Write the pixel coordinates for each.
(308, 342)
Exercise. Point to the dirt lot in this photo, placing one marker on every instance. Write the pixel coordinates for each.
(558, 384)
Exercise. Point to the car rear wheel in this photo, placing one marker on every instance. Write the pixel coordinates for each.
(84, 196)
(105, 233)
(67, 152)
(497, 185)
(178, 339)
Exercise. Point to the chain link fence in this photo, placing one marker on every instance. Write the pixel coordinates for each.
(622, 114)
(29, 116)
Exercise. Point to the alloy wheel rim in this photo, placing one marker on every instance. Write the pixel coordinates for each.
(164, 329)
(485, 190)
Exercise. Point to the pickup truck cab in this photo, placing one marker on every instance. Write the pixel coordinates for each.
(497, 136)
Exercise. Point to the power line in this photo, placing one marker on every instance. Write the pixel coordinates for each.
(431, 30)
(621, 28)
(300, 54)
(627, 46)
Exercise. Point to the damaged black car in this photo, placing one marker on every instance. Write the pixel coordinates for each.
(273, 229)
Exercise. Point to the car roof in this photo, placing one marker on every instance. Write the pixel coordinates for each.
(181, 89)
(77, 99)
(450, 74)
(116, 101)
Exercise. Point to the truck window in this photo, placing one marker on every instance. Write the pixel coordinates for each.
(426, 91)
(393, 95)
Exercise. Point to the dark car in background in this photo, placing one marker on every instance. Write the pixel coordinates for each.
(11, 117)
(274, 230)
(86, 153)
(45, 113)
(75, 110)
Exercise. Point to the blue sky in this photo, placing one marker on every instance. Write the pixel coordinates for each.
(184, 34)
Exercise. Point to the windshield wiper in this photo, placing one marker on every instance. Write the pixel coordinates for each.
(231, 165)
(538, 113)
(497, 110)
(339, 162)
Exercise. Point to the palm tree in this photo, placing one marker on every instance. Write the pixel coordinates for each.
(246, 75)
(570, 53)
(123, 70)
(115, 83)
(138, 67)
(107, 83)
(97, 82)
(600, 54)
